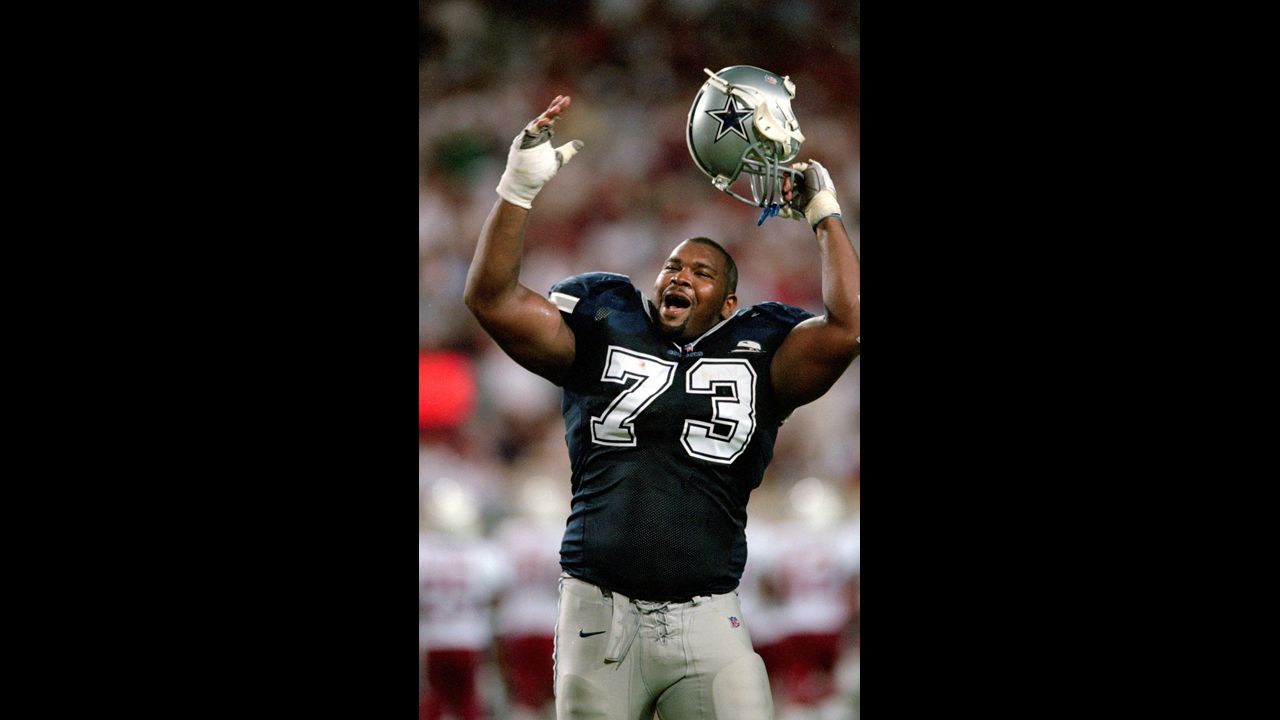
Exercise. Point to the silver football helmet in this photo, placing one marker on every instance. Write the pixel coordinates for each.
(741, 122)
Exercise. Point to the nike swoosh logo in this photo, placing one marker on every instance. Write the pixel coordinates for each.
(588, 634)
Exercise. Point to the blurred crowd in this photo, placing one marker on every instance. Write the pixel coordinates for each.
(493, 469)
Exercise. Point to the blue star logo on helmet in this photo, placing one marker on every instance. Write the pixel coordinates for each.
(730, 119)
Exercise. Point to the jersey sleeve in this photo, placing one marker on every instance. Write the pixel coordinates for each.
(580, 297)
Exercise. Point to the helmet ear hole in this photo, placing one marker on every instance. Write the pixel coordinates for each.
(768, 124)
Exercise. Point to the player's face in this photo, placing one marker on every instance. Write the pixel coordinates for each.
(691, 292)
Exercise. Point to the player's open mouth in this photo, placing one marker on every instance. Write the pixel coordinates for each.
(674, 304)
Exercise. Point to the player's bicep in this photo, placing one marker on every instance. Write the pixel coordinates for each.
(530, 329)
(811, 359)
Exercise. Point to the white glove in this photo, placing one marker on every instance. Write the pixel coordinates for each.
(815, 196)
(532, 162)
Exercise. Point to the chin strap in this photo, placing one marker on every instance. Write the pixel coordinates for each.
(767, 213)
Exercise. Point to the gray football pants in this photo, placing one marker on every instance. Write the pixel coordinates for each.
(622, 659)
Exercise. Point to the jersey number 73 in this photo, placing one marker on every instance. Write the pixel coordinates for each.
(733, 415)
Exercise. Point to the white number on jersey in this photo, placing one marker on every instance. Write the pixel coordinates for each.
(620, 366)
(733, 417)
(737, 410)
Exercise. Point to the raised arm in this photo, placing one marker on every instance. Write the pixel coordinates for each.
(818, 350)
(526, 325)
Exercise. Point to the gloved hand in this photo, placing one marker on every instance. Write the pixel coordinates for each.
(814, 198)
(531, 161)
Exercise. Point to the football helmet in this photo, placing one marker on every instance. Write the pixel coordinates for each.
(741, 122)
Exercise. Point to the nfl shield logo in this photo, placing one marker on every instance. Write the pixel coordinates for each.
(734, 621)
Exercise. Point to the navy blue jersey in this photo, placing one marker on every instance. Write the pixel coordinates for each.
(666, 440)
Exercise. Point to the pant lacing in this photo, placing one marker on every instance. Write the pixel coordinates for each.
(659, 612)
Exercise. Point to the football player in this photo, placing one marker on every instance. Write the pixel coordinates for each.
(672, 401)
(524, 623)
(459, 574)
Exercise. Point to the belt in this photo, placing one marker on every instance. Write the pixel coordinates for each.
(623, 627)
(673, 601)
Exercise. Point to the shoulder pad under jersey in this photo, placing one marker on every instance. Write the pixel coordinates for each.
(788, 315)
(581, 294)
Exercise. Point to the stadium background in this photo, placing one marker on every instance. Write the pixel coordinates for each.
(490, 431)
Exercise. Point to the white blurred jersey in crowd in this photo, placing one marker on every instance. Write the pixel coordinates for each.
(458, 578)
(528, 603)
(809, 570)
(760, 603)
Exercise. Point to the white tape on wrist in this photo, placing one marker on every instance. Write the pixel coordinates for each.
(822, 205)
(529, 169)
